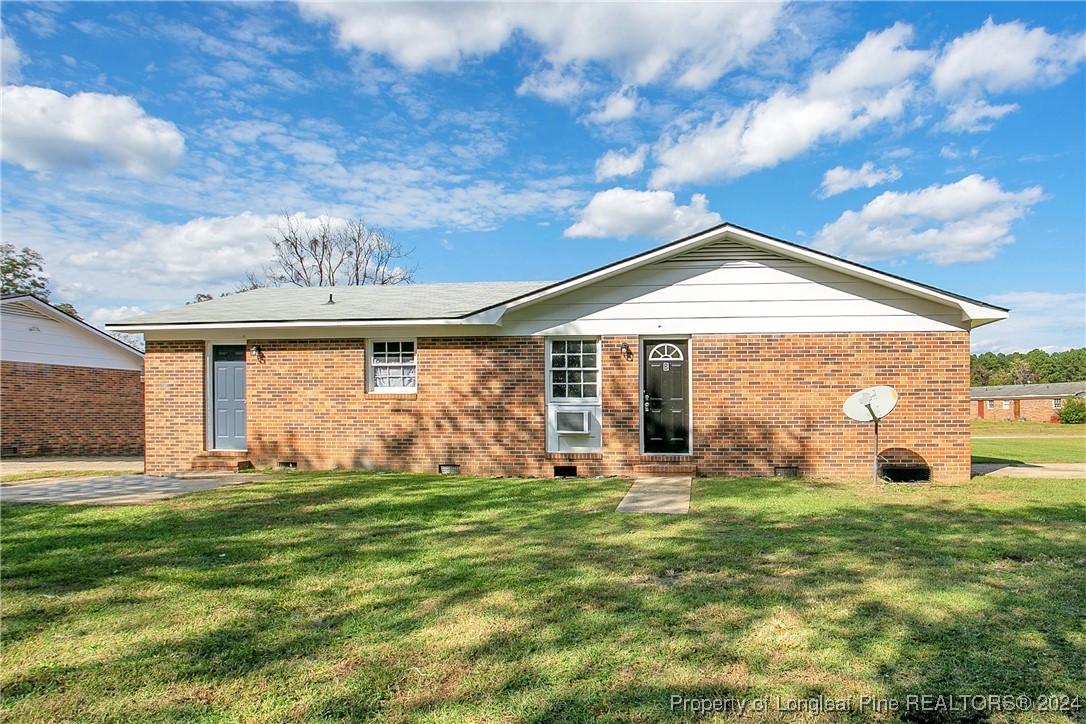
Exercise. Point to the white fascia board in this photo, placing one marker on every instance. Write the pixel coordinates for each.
(974, 313)
(977, 314)
(332, 323)
(618, 268)
(58, 316)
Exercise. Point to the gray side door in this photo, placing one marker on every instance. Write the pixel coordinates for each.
(228, 396)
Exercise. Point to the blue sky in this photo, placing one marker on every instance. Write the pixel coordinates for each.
(148, 148)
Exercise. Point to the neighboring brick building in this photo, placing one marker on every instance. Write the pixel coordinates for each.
(725, 353)
(1035, 403)
(67, 388)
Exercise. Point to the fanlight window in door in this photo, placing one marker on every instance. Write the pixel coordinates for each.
(666, 352)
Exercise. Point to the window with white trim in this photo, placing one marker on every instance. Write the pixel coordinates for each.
(573, 369)
(392, 366)
(1057, 404)
(1006, 404)
(990, 404)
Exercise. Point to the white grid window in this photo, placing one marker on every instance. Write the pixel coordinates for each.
(1006, 404)
(1057, 404)
(990, 404)
(393, 367)
(574, 369)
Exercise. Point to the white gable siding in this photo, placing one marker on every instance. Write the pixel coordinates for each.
(28, 335)
(728, 288)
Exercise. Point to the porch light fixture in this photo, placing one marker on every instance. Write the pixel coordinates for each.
(627, 353)
(258, 353)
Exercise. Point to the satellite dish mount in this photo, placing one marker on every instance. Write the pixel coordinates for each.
(871, 405)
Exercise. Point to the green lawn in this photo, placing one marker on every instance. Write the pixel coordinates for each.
(349, 596)
(993, 427)
(1030, 450)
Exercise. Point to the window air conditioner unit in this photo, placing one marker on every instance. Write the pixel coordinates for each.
(573, 423)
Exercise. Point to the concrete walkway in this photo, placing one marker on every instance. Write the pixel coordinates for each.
(114, 489)
(665, 494)
(1034, 470)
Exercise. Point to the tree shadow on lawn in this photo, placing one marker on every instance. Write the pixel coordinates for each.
(403, 596)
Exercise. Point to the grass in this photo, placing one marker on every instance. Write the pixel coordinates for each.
(349, 596)
(39, 475)
(995, 427)
(1029, 450)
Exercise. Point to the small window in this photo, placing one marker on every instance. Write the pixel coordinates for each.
(1057, 404)
(392, 366)
(990, 404)
(573, 423)
(574, 369)
(1006, 404)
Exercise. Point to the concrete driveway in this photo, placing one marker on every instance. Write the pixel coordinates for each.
(114, 489)
(1035, 470)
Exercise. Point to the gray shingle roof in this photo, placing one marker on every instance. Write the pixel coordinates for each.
(1017, 392)
(306, 304)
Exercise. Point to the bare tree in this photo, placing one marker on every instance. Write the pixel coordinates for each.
(322, 253)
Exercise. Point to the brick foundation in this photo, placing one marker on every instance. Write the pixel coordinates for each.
(759, 401)
(66, 410)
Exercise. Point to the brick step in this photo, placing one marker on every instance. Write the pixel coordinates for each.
(665, 469)
(222, 461)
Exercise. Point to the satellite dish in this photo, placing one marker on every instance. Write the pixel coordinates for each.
(871, 404)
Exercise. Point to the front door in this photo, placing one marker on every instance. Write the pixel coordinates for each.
(666, 422)
(228, 396)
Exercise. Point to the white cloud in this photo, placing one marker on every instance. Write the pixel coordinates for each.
(691, 44)
(213, 251)
(620, 163)
(1051, 321)
(616, 107)
(556, 85)
(101, 316)
(839, 179)
(997, 58)
(46, 131)
(870, 84)
(974, 115)
(966, 221)
(622, 213)
(11, 60)
(953, 152)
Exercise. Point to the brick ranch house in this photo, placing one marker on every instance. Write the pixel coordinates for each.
(67, 388)
(1035, 403)
(724, 353)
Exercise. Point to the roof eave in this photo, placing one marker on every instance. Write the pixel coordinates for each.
(974, 312)
(326, 323)
(65, 318)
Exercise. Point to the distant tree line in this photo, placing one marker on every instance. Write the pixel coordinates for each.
(1027, 368)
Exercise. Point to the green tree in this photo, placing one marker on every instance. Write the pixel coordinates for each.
(23, 273)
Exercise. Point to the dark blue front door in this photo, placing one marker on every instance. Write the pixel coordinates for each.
(228, 393)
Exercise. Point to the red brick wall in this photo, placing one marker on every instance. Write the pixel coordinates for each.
(66, 410)
(479, 404)
(758, 400)
(174, 375)
(1035, 410)
(766, 400)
